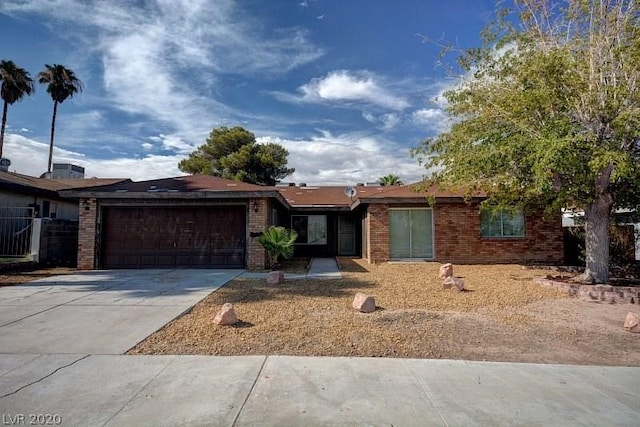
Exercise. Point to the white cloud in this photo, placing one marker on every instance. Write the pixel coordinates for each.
(323, 159)
(147, 146)
(159, 57)
(30, 157)
(390, 121)
(427, 115)
(432, 119)
(173, 142)
(346, 159)
(385, 121)
(349, 87)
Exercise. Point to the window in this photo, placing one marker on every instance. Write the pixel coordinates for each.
(501, 223)
(410, 234)
(311, 229)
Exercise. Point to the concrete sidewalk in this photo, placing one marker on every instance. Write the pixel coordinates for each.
(116, 390)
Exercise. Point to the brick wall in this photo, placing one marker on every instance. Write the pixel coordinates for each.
(377, 223)
(258, 222)
(87, 233)
(457, 238)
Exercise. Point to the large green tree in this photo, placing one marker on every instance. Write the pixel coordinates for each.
(15, 84)
(233, 153)
(548, 113)
(62, 83)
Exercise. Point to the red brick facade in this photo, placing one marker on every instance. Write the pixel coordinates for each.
(456, 229)
(258, 222)
(457, 237)
(87, 227)
(377, 221)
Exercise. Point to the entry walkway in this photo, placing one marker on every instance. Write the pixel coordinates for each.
(324, 268)
(320, 269)
(117, 390)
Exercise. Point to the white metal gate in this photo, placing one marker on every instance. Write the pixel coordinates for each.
(15, 231)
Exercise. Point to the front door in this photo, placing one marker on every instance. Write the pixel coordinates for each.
(346, 236)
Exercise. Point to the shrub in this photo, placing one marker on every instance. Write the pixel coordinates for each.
(278, 242)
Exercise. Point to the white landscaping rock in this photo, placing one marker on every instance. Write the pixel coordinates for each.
(453, 283)
(275, 277)
(632, 322)
(364, 303)
(226, 316)
(446, 270)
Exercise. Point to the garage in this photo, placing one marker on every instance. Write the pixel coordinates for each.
(174, 237)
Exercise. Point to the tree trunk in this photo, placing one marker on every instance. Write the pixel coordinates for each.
(4, 124)
(53, 128)
(597, 216)
(597, 241)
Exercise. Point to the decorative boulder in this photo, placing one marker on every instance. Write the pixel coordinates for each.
(632, 322)
(364, 303)
(226, 316)
(275, 277)
(453, 283)
(446, 270)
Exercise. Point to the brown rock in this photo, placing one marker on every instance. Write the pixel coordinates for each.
(453, 283)
(446, 270)
(275, 277)
(226, 316)
(632, 322)
(364, 303)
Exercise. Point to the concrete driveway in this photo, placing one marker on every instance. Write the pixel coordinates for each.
(99, 312)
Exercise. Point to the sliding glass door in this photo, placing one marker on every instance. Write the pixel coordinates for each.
(410, 233)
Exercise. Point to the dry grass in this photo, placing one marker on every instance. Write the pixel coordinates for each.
(415, 315)
(9, 278)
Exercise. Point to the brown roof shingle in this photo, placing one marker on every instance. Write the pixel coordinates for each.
(26, 181)
(184, 184)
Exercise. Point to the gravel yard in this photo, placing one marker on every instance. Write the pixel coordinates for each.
(503, 316)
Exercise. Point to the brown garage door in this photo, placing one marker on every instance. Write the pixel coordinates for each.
(144, 237)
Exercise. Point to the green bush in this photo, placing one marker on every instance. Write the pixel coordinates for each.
(278, 242)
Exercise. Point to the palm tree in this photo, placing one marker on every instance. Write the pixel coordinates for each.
(390, 179)
(61, 83)
(16, 83)
(278, 242)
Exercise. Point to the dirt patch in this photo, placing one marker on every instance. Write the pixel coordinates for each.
(21, 277)
(504, 316)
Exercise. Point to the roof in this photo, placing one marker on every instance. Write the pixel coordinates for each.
(415, 191)
(296, 197)
(330, 196)
(32, 185)
(183, 184)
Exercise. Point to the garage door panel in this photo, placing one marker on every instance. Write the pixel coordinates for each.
(142, 237)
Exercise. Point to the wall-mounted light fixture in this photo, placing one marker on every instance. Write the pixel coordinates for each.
(86, 205)
(255, 206)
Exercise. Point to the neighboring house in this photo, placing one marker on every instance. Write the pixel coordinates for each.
(42, 194)
(25, 202)
(37, 195)
(204, 221)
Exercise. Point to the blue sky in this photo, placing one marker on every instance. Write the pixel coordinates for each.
(347, 86)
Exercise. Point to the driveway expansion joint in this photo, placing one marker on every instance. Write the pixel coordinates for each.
(253, 386)
(45, 377)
